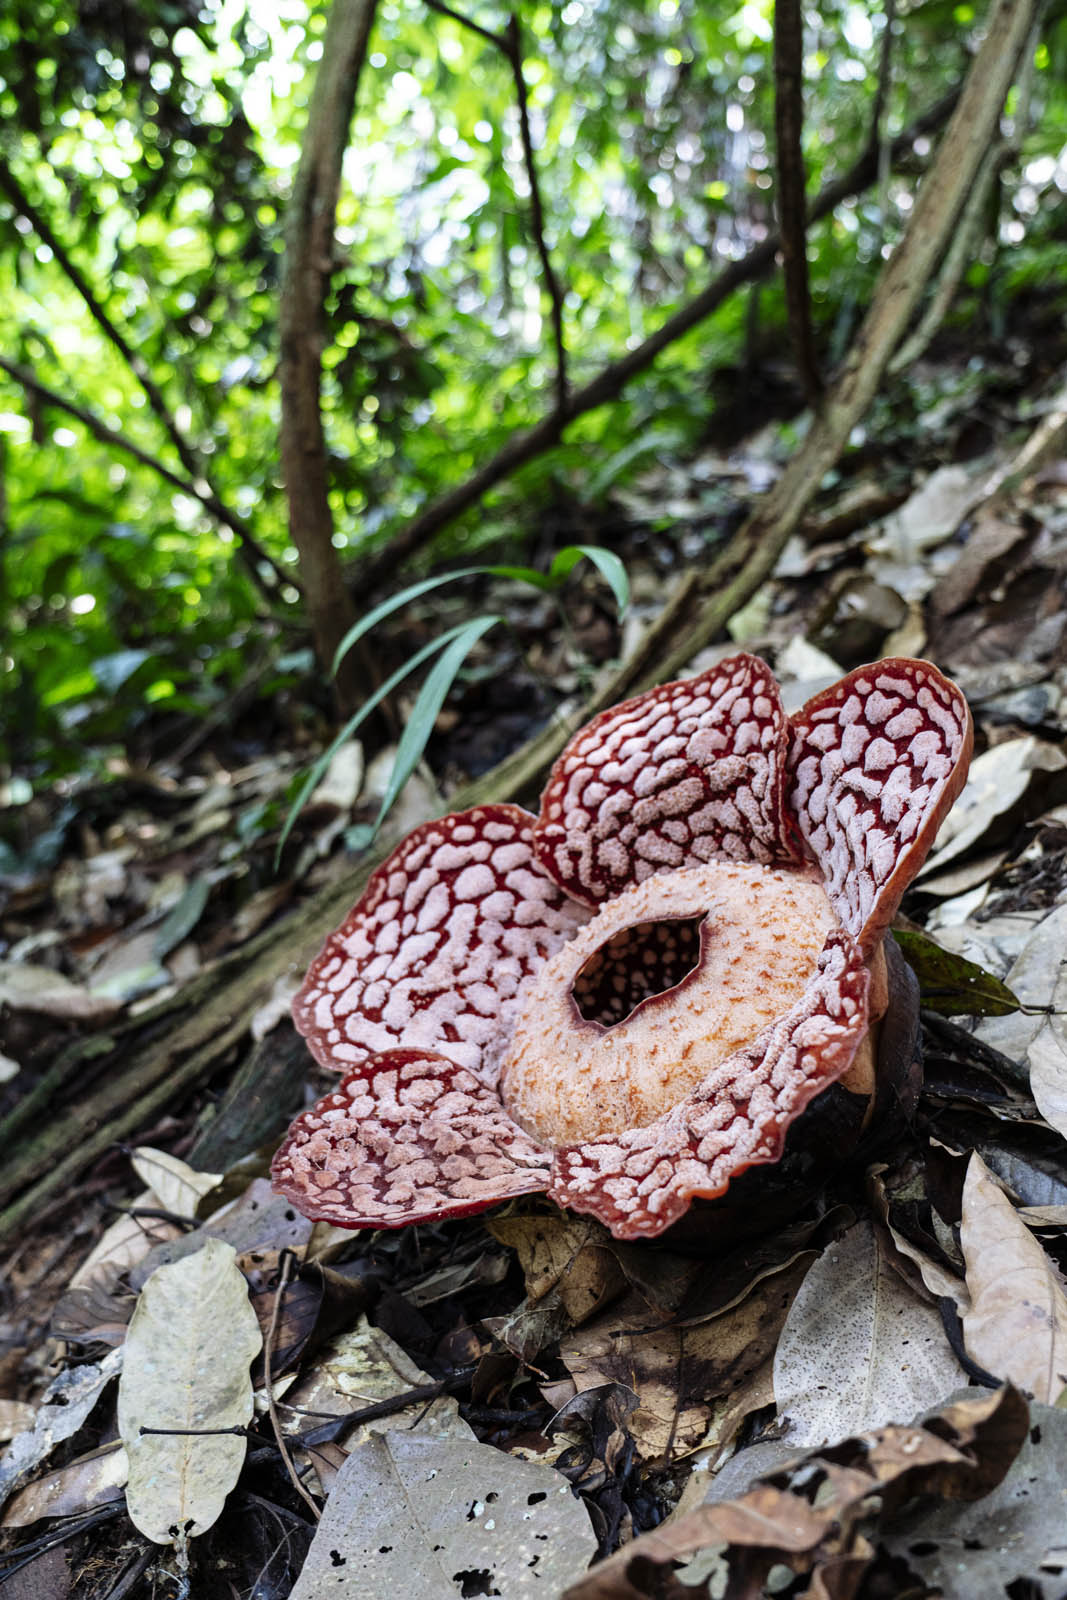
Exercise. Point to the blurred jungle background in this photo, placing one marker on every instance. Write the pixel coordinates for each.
(151, 566)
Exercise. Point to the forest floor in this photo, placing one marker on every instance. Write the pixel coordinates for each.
(484, 1406)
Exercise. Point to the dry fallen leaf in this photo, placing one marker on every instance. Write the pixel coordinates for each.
(67, 1402)
(187, 1355)
(1012, 1541)
(180, 1188)
(569, 1254)
(434, 1517)
(71, 1490)
(1017, 1324)
(25, 987)
(678, 1372)
(1039, 977)
(815, 1514)
(859, 1347)
(997, 781)
(357, 1369)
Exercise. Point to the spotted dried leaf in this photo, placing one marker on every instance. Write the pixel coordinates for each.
(859, 1347)
(820, 1514)
(433, 1517)
(677, 1372)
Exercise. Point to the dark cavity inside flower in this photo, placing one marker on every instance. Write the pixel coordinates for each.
(627, 1000)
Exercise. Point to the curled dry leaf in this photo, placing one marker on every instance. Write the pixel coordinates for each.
(1017, 1324)
(434, 1517)
(819, 1512)
(1039, 977)
(192, 1339)
(570, 1255)
(1013, 1541)
(859, 1346)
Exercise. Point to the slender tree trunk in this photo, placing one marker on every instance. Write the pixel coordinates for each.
(792, 208)
(309, 244)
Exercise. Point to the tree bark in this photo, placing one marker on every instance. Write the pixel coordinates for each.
(309, 245)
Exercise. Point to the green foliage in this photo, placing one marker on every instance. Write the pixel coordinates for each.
(158, 140)
(452, 649)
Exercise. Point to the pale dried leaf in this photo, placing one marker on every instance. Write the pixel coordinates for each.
(997, 780)
(128, 1240)
(1038, 976)
(179, 1187)
(15, 1417)
(339, 789)
(25, 987)
(421, 1517)
(188, 1351)
(1017, 1325)
(859, 1348)
(67, 1402)
(357, 1369)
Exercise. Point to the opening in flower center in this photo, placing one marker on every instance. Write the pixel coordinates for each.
(588, 1058)
(645, 960)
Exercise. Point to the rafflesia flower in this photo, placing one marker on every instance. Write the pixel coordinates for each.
(625, 1001)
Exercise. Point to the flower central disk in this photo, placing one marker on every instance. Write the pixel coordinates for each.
(639, 1006)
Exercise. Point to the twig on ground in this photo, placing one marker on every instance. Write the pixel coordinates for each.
(285, 1266)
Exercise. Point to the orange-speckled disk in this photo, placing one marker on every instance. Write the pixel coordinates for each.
(681, 775)
(876, 762)
(569, 1077)
(407, 1137)
(639, 1181)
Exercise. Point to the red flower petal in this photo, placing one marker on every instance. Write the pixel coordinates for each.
(435, 952)
(640, 1181)
(876, 761)
(676, 777)
(407, 1137)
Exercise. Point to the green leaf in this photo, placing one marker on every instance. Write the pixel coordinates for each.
(607, 564)
(952, 985)
(430, 700)
(316, 772)
(563, 563)
(182, 918)
(394, 603)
